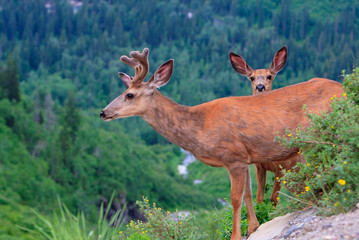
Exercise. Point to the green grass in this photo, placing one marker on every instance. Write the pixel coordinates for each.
(64, 225)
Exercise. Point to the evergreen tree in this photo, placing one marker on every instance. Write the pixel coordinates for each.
(10, 80)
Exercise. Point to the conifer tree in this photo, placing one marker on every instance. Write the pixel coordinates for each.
(10, 80)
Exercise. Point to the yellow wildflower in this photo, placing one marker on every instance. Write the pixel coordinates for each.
(342, 182)
(334, 96)
(299, 152)
(277, 198)
(289, 134)
(331, 98)
(344, 94)
(284, 182)
(288, 170)
(307, 188)
(333, 145)
(120, 232)
(349, 191)
(345, 162)
(180, 222)
(336, 204)
(308, 164)
(332, 126)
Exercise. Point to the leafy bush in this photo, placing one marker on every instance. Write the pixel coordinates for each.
(161, 224)
(225, 218)
(329, 178)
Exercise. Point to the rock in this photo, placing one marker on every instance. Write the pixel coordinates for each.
(282, 226)
(305, 225)
(326, 226)
(328, 237)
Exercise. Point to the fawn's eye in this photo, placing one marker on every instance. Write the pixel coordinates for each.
(129, 95)
(252, 78)
(269, 77)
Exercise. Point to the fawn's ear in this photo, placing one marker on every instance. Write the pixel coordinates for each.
(162, 75)
(125, 79)
(279, 59)
(240, 65)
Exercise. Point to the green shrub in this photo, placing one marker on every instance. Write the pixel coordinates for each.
(161, 224)
(329, 178)
(225, 218)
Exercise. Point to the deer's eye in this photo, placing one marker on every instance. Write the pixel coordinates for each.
(129, 95)
(252, 78)
(269, 77)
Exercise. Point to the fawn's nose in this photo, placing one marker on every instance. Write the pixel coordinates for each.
(102, 114)
(260, 87)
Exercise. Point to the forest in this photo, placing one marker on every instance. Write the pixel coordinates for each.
(59, 64)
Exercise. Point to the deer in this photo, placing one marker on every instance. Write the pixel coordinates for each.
(230, 132)
(261, 81)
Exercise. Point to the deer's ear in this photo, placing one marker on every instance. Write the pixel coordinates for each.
(125, 79)
(162, 75)
(240, 65)
(279, 59)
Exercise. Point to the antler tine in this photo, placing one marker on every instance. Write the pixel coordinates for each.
(139, 61)
(129, 61)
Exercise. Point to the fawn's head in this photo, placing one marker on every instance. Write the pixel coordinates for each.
(261, 79)
(134, 101)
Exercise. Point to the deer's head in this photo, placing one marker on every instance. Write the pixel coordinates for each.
(261, 79)
(135, 100)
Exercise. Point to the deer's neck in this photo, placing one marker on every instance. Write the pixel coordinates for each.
(177, 123)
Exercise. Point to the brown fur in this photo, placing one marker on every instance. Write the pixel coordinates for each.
(227, 132)
(260, 76)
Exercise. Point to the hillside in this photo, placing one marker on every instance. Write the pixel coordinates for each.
(59, 63)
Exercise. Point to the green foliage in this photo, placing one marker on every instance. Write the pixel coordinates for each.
(9, 80)
(49, 49)
(16, 221)
(161, 224)
(225, 218)
(329, 178)
(67, 226)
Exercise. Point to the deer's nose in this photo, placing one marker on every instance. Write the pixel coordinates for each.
(260, 87)
(102, 114)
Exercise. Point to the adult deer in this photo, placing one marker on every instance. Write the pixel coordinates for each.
(230, 132)
(261, 81)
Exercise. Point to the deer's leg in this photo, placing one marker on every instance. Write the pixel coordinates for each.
(238, 179)
(252, 219)
(261, 182)
(239, 176)
(276, 188)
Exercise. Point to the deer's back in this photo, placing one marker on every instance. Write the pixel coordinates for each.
(245, 127)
